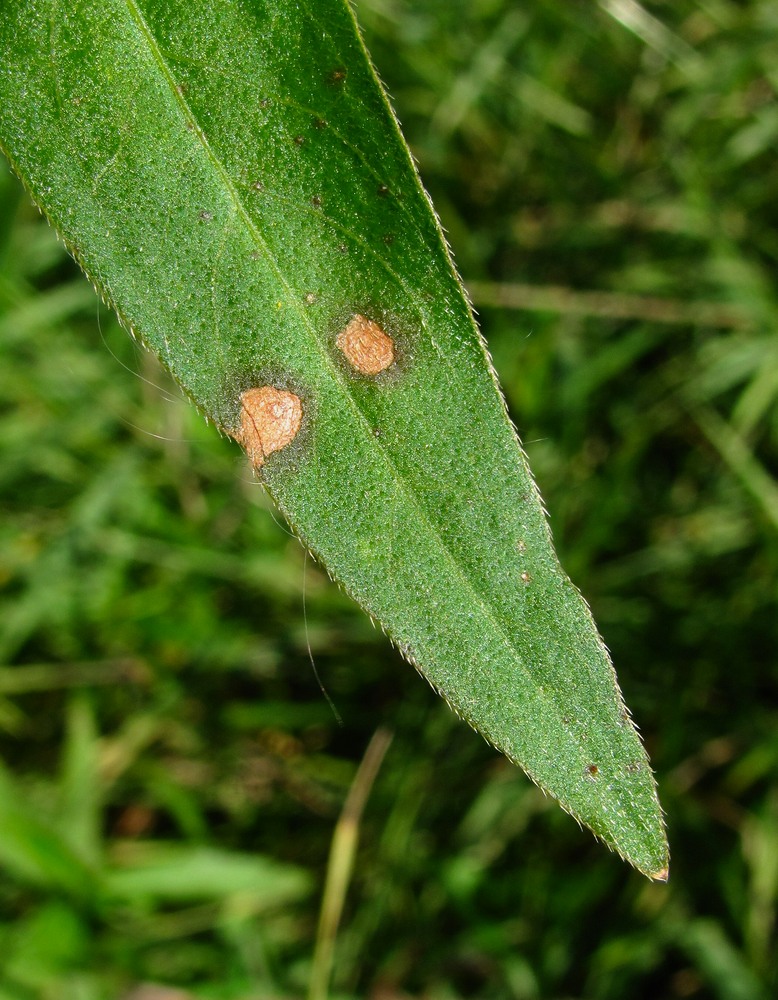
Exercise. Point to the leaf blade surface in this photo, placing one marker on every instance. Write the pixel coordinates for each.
(232, 179)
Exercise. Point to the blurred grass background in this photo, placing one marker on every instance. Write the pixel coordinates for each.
(173, 774)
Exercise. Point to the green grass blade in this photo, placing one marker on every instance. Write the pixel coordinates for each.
(178, 874)
(232, 180)
(80, 812)
(34, 852)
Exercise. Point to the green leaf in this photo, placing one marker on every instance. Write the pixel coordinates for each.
(180, 874)
(231, 178)
(33, 850)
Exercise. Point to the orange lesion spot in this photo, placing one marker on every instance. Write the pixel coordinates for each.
(269, 419)
(366, 347)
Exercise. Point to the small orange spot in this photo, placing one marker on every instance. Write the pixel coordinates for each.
(365, 345)
(525, 577)
(593, 770)
(269, 419)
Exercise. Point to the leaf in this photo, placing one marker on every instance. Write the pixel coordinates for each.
(33, 850)
(232, 180)
(179, 874)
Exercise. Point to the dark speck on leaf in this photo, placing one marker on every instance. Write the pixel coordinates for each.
(206, 216)
(316, 201)
(299, 140)
(383, 190)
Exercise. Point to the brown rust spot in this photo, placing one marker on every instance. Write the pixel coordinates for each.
(366, 346)
(269, 419)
